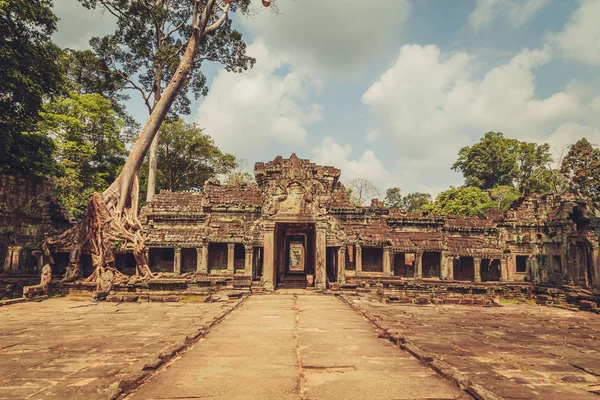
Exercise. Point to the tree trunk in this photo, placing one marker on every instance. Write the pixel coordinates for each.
(111, 220)
(152, 168)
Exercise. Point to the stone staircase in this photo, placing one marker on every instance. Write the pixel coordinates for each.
(293, 282)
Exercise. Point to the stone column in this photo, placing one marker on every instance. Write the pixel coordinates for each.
(231, 258)
(511, 266)
(419, 265)
(595, 265)
(504, 270)
(200, 267)
(450, 267)
(321, 259)
(147, 256)
(268, 276)
(358, 261)
(387, 269)
(443, 265)
(249, 251)
(177, 262)
(40, 262)
(341, 258)
(477, 269)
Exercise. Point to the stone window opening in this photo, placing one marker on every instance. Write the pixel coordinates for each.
(431, 264)
(217, 257)
(404, 265)
(372, 259)
(522, 264)
(239, 257)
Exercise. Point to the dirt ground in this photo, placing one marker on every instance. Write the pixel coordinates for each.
(517, 351)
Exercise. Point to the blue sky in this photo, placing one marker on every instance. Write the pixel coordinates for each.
(392, 92)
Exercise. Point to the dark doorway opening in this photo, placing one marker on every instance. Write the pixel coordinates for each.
(490, 270)
(403, 265)
(432, 262)
(464, 269)
(522, 264)
(294, 253)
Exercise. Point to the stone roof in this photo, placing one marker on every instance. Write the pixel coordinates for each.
(167, 202)
(242, 196)
(472, 246)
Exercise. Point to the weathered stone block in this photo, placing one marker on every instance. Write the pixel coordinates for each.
(587, 304)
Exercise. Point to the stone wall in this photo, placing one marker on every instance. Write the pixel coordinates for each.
(28, 212)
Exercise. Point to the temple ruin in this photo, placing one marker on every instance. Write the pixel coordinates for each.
(298, 228)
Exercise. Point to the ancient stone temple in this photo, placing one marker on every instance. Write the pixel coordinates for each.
(297, 227)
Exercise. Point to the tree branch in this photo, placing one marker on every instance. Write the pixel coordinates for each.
(219, 22)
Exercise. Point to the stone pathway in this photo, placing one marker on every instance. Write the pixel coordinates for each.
(296, 347)
(64, 349)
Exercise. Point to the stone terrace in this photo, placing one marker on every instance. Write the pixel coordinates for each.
(67, 349)
(518, 351)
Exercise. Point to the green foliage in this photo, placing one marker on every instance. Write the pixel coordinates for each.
(88, 147)
(465, 200)
(412, 202)
(150, 40)
(394, 198)
(503, 197)
(30, 73)
(239, 175)
(499, 161)
(581, 166)
(187, 157)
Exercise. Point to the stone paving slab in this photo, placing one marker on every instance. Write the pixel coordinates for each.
(516, 351)
(60, 348)
(296, 347)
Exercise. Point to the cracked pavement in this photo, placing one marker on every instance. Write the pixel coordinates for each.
(296, 347)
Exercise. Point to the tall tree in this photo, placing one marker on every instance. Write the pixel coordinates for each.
(111, 220)
(533, 174)
(239, 174)
(148, 46)
(499, 161)
(581, 166)
(488, 163)
(187, 157)
(89, 149)
(31, 72)
(465, 200)
(412, 202)
(361, 190)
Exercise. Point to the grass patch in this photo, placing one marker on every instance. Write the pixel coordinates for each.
(515, 301)
(192, 299)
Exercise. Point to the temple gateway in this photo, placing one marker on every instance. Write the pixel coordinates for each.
(297, 228)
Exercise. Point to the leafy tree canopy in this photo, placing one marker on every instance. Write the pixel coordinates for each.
(499, 161)
(412, 202)
(31, 72)
(89, 149)
(581, 166)
(464, 200)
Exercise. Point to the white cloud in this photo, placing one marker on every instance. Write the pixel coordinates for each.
(373, 135)
(517, 12)
(568, 133)
(77, 25)
(259, 109)
(367, 165)
(333, 37)
(580, 39)
(433, 104)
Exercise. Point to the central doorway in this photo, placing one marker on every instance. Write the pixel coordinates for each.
(294, 254)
